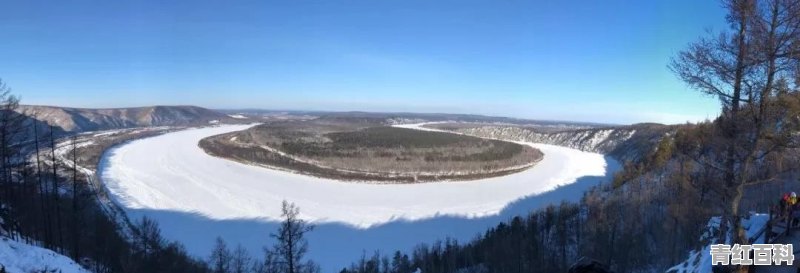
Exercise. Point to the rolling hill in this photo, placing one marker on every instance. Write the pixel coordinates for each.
(73, 120)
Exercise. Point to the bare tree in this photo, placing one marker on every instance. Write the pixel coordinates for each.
(240, 260)
(269, 265)
(291, 245)
(220, 259)
(148, 236)
(77, 218)
(42, 189)
(12, 136)
(56, 190)
(745, 67)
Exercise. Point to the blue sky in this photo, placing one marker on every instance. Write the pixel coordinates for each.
(600, 61)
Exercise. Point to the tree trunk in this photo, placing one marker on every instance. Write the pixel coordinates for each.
(42, 189)
(77, 218)
(56, 194)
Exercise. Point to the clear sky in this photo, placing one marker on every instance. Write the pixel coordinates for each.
(591, 60)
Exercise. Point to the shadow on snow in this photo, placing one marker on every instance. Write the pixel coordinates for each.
(334, 245)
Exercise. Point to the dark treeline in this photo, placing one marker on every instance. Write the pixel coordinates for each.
(646, 220)
(46, 201)
(545, 241)
(635, 229)
(657, 207)
(286, 255)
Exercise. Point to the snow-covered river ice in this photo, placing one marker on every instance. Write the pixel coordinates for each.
(196, 197)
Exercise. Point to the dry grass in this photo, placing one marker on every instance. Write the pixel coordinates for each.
(364, 150)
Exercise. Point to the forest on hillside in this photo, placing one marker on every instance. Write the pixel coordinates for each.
(657, 207)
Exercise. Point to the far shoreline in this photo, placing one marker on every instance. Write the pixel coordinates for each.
(292, 164)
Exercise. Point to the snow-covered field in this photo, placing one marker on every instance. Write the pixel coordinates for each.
(18, 257)
(196, 197)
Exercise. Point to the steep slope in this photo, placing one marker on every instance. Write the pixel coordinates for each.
(626, 143)
(16, 257)
(83, 119)
(699, 261)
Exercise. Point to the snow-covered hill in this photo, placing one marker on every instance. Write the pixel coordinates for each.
(17, 257)
(83, 119)
(623, 142)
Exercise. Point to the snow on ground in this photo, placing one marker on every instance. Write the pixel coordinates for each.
(196, 197)
(18, 257)
(238, 116)
(700, 261)
(171, 172)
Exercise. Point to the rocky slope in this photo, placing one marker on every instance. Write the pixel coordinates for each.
(71, 120)
(625, 143)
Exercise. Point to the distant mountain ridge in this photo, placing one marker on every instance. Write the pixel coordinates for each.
(72, 120)
(69, 120)
(411, 117)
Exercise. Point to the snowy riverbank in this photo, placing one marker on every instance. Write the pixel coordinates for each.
(196, 197)
(17, 257)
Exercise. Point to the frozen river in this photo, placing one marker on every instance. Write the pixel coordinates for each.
(196, 197)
